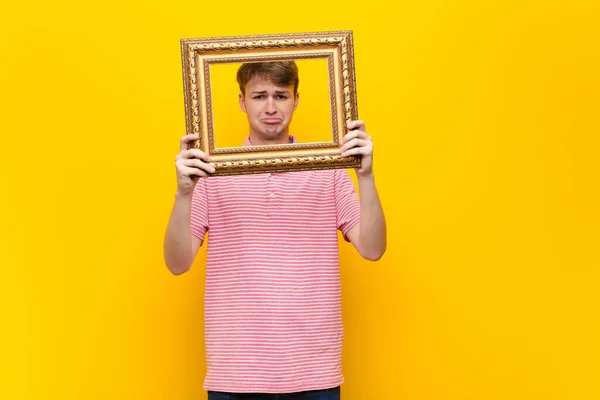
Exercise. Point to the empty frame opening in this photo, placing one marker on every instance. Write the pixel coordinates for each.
(310, 122)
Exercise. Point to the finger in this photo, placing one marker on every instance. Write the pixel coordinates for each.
(353, 135)
(194, 153)
(354, 143)
(195, 163)
(185, 140)
(350, 136)
(193, 172)
(358, 124)
(357, 150)
(184, 163)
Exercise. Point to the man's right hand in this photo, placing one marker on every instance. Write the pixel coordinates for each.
(191, 164)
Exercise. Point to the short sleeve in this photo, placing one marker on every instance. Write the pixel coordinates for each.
(346, 202)
(199, 211)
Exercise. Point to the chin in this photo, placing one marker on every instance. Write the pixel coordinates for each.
(272, 135)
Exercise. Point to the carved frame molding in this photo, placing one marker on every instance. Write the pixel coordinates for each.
(197, 56)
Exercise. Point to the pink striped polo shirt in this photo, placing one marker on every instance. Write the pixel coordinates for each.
(273, 321)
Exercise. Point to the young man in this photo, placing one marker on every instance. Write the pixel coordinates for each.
(273, 321)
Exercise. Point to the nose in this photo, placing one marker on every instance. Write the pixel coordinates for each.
(271, 109)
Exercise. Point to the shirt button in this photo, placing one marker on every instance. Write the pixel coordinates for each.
(272, 195)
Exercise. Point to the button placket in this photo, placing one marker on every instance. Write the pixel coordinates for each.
(270, 193)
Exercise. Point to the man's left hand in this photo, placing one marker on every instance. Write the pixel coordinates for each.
(357, 141)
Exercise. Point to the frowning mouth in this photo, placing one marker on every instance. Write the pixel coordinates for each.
(271, 120)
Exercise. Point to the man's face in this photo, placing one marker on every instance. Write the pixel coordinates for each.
(269, 108)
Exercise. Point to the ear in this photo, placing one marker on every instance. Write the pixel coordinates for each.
(241, 100)
(296, 100)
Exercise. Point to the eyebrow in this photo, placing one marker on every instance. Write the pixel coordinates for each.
(264, 91)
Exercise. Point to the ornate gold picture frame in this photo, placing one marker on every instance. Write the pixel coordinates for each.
(336, 47)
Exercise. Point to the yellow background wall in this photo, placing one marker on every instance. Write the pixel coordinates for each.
(485, 122)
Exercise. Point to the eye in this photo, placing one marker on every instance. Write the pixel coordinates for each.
(258, 96)
(282, 97)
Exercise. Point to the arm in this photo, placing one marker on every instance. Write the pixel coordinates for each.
(180, 246)
(369, 235)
